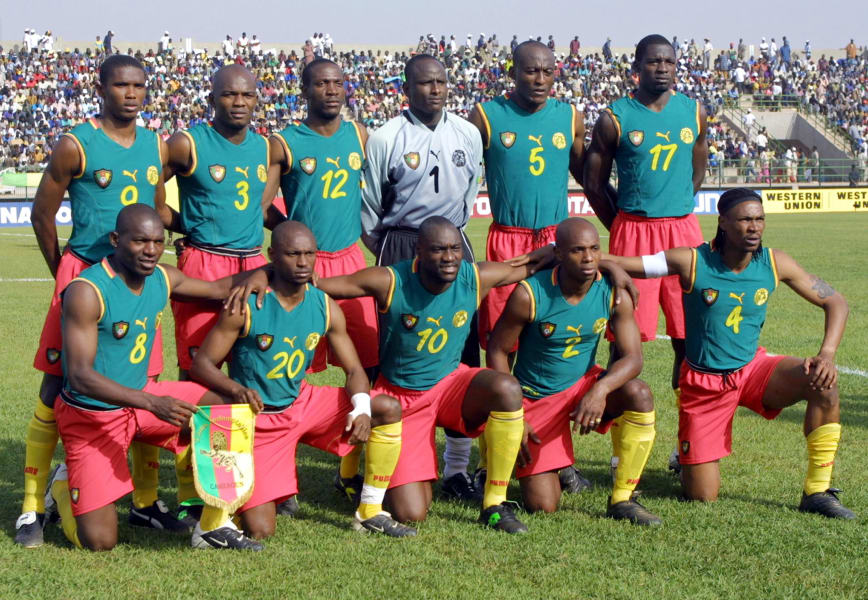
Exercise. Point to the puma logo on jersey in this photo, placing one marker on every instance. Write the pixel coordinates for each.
(131, 175)
(576, 330)
(435, 321)
(739, 297)
(242, 171)
(142, 322)
(290, 341)
(537, 139)
(665, 136)
(334, 161)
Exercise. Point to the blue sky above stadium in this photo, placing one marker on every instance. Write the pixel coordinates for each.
(828, 24)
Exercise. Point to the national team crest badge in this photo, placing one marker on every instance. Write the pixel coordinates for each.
(709, 295)
(103, 177)
(761, 296)
(264, 341)
(412, 159)
(559, 140)
(687, 135)
(261, 173)
(120, 329)
(600, 325)
(218, 172)
(459, 318)
(355, 161)
(546, 329)
(685, 447)
(459, 159)
(636, 137)
(409, 321)
(74, 495)
(308, 165)
(311, 341)
(152, 175)
(507, 138)
(52, 355)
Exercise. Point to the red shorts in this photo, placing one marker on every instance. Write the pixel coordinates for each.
(360, 313)
(632, 235)
(550, 419)
(193, 320)
(504, 243)
(421, 412)
(708, 402)
(47, 357)
(96, 443)
(316, 418)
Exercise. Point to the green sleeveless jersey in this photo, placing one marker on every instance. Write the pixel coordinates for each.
(559, 345)
(322, 185)
(276, 347)
(221, 194)
(125, 330)
(110, 178)
(655, 156)
(724, 311)
(424, 333)
(527, 161)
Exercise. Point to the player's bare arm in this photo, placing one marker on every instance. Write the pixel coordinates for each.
(168, 215)
(589, 412)
(677, 261)
(373, 281)
(819, 293)
(65, 164)
(577, 151)
(477, 121)
(234, 290)
(598, 161)
(213, 351)
(81, 314)
(496, 274)
(359, 425)
(278, 165)
(700, 151)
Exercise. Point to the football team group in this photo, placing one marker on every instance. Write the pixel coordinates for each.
(408, 331)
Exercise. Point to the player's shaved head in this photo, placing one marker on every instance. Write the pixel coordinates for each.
(529, 51)
(417, 63)
(136, 217)
(232, 75)
(572, 229)
(290, 233)
(315, 65)
(433, 228)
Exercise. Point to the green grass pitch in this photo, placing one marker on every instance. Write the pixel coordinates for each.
(752, 543)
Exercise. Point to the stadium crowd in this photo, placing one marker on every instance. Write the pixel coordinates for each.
(45, 90)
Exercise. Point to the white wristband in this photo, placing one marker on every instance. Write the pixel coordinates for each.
(655, 265)
(361, 404)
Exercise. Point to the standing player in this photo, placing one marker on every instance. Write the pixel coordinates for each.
(727, 285)
(657, 138)
(425, 162)
(532, 143)
(271, 349)
(111, 313)
(105, 164)
(559, 317)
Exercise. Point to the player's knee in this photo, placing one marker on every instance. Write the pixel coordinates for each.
(700, 495)
(385, 409)
(259, 529)
(825, 400)
(98, 540)
(639, 396)
(541, 504)
(415, 513)
(505, 394)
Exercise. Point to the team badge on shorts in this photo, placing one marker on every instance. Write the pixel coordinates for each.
(52, 355)
(459, 318)
(507, 138)
(311, 341)
(152, 175)
(761, 296)
(261, 173)
(600, 325)
(636, 137)
(264, 341)
(120, 329)
(308, 165)
(546, 329)
(559, 140)
(218, 172)
(74, 495)
(412, 159)
(687, 135)
(685, 447)
(709, 295)
(102, 177)
(459, 159)
(409, 321)
(355, 161)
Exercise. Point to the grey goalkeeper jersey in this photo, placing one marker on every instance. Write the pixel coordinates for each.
(414, 173)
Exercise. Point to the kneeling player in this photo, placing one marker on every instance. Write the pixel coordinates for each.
(727, 285)
(272, 348)
(111, 313)
(559, 316)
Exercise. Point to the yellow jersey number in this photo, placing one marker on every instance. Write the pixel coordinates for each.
(337, 179)
(657, 150)
(435, 342)
(734, 319)
(137, 354)
(243, 187)
(129, 195)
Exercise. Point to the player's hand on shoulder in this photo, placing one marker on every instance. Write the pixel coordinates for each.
(171, 410)
(253, 282)
(822, 372)
(524, 455)
(589, 413)
(359, 428)
(621, 281)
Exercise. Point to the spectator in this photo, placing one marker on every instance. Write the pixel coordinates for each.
(853, 176)
(107, 42)
(575, 45)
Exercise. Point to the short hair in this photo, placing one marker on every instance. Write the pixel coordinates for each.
(649, 40)
(306, 73)
(410, 64)
(115, 62)
(519, 50)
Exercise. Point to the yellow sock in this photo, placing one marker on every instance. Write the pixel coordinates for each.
(381, 457)
(60, 492)
(503, 432)
(631, 441)
(350, 463)
(184, 475)
(483, 453)
(822, 445)
(145, 473)
(677, 392)
(40, 445)
(212, 518)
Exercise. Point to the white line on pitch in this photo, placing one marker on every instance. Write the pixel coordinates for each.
(24, 279)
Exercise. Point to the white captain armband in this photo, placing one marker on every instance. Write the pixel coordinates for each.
(361, 404)
(655, 265)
